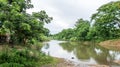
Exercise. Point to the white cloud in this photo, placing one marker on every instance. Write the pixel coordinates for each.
(66, 12)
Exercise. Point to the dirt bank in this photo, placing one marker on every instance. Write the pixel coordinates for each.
(111, 44)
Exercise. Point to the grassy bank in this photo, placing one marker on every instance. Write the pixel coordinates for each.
(23, 56)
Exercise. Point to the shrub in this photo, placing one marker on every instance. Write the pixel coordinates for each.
(23, 58)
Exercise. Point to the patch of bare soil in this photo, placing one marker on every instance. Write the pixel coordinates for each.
(111, 44)
(117, 61)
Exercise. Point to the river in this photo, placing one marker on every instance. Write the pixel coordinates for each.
(81, 52)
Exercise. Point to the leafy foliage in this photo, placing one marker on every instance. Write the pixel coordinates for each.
(22, 27)
(82, 29)
(105, 25)
(78, 33)
(23, 58)
(107, 21)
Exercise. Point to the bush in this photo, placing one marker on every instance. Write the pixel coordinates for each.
(23, 58)
(11, 65)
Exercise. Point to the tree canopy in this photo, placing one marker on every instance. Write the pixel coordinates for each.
(78, 33)
(107, 20)
(21, 26)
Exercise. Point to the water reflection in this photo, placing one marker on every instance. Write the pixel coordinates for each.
(82, 52)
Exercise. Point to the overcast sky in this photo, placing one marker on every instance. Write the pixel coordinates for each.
(66, 12)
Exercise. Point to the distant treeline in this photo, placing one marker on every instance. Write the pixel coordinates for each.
(104, 25)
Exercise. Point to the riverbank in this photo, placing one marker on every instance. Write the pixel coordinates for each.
(60, 62)
(111, 44)
(23, 56)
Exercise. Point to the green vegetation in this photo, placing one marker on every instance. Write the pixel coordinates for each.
(107, 21)
(104, 25)
(22, 32)
(77, 33)
(18, 28)
(23, 58)
(21, 26)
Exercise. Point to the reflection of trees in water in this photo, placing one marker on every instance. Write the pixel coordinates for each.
(85, 51)
(69, 46)
(46, 45)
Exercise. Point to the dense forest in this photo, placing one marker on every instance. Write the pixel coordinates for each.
(104, 25)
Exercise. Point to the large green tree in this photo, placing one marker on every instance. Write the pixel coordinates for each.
(21, 26)
(107, 21)
(82, 29)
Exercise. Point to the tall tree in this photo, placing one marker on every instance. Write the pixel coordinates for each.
(22, 27)
(82, 28)
(107, 21)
